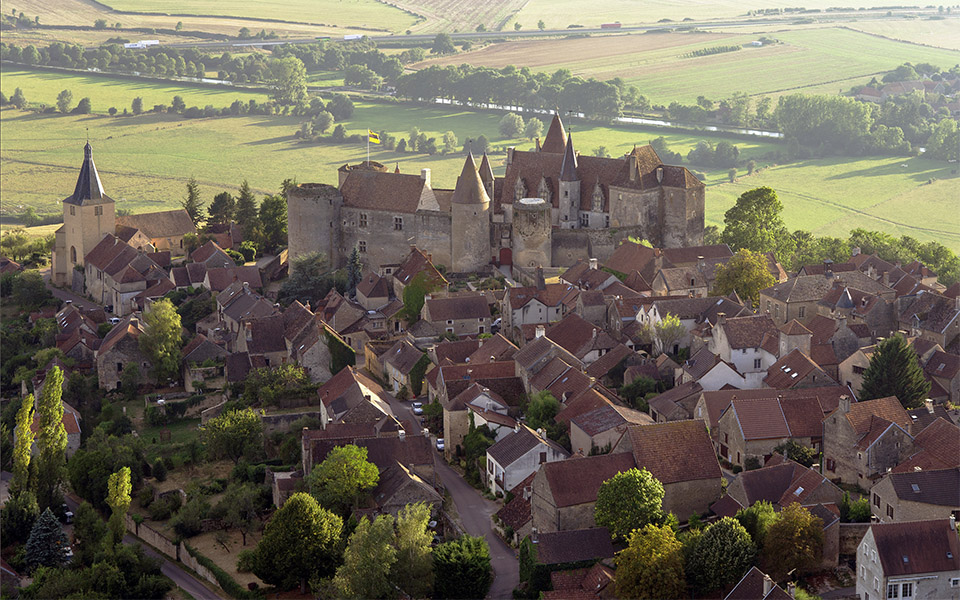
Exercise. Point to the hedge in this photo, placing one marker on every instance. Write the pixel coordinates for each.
(227, 583)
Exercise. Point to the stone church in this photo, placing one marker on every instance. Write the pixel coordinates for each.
(552, 207)
(89, 214)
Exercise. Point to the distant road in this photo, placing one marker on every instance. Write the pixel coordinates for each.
(483, 35)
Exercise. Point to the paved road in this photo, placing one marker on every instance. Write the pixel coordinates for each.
(183, 580)
(475, 512)
(60, 294)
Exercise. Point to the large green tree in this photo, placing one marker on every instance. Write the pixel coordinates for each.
(894, 370)
(413, 571)
(721, 556)
(47, 545)
(754, 223)
(273, 222)
(222, 208)
(628, 501)
(191, 203)
(246, 213)
(368, 560)
(541, 409)
(462, 568)
(160, 341)
(288, 78)
(301, 541)
(343, 478)
(17, 517)
(230, 434)
(793, 542)
(51, 440)
(118, 498)
(756, 519)
(668, 330)
(651, 566)
(23, 445)
(746, 273)
(64, 99)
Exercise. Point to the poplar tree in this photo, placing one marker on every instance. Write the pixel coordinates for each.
(22, 446)
(118, 498)
(51, 439)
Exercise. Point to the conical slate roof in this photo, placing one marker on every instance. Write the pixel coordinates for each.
(568, 170)
(89, 191)
(469, 188)
(556, 137)
(486, 171)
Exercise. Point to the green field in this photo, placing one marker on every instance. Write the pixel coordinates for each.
(344, 13)
(901, 196)
(807, 60)
(105, 91)
(558, 14)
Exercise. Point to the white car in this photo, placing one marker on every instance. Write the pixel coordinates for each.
(440, 445)
(418, 408)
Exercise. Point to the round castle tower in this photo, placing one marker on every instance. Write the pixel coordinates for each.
(470, 216)
(532, 233)
(313, 221)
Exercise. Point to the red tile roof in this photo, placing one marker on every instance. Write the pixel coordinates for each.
(752, 332)
(460, 307)
(577, 480)
(889, 408)
(916, 547)
(790, 370)
(675, 451)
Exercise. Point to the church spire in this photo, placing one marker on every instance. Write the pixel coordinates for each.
(89, 190)
(469, 188)
(486, 171)
(556, 136)
(568, 170)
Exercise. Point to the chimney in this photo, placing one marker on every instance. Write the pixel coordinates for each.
(510, 152)
(659, 174)
(844, 404)
(541, 282)
(657, 259)
(594, 336)
(767, 585)
(402, 435)
(594, 264)
(516, 427)
(425, 176)
(538, 144)
(792, 589)
(721, 318)
(426, 432)
(541, 432)
(953, 523)
(701, 263)
(541, 331)
(533, 535)
(886, 278)
(928, 404)
(855, 251)
(634, 167)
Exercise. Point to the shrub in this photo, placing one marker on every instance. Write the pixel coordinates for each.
(159, 470)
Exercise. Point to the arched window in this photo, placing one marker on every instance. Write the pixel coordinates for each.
(73, 254)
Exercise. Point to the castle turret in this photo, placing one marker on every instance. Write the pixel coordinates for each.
(556, 136)
(88, 215)
(486, 175)
(569, 188)
(470, 215)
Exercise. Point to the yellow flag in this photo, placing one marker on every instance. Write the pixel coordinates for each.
(373, 137)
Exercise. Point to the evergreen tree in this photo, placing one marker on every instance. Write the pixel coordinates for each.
(246, 212)
(895, 371)
(47, 545)
(51, 440)
(354, 271)
(273, 222)
(22, 446)
(192, 203)
(222, 208)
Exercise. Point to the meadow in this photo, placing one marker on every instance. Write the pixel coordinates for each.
(944, 33)
(105, 91)
(344, 13)
(558, 14)
(827, 58)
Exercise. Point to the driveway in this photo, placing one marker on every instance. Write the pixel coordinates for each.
(475, 512)
(62, 295)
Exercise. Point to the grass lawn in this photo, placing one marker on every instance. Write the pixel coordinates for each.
(833, 196)
(944, 33)
(105, 91)
(181, 432)
(817, 60)
(343, 13)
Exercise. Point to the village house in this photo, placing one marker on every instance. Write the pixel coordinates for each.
(414, 264)
(710, 372)
(601, 428)
(931, 316)
(352, 397)
(533, 305)
(373, 291)
(757, 585)
(517, 455)
(580, 338)
(753, 428)
(596, 583)
(399, 363)
(862, 440)
(115, 273)
(781, 483)
(795, 370)
(203, 365)
(460, 315)
(211, 256)
(487, 407)
(750, 344)
(799, 297)
(120, 350)
(677, 403)
(698, 316)
(164, 230)
(937, 446)
(535, 355)
(916, 496)
(681, 456)
(916, 560)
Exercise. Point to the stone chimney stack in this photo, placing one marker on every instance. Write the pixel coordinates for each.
(594, 264)
(425, 176)
(541, 331)
(721, 318)
(844, 404)
(767, 585)
(510, 152)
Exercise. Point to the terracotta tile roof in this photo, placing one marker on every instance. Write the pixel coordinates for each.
(237, 366)
(574, 546)
(794, 327)
(373, 286)
(168, 223)
(916, 547)
(782, 483)
(373, 190)
(510, 448)
(130, 327)
(69, 420)
(821, 268)
(940, 487)
(939, 448)
(552, 295)
(200, 349)
(675, 451)
(417, 262)
(265, 335)
(752, 332)
(456, 352)
(671, 404)
(889, 408)
(221, 278)
(599, 420)
(583, 402)
(812, 288)
(680, 278)
(822, 328)
(578, 336)
(461, 307)
(824, 355)
(403, 356)
(689, 255)
(516, 513)
(760, 419)
(609, 360)
(577, 480)
(791, 369)
(700, 363)
(212, 255)
(496, 348)
(931, 312)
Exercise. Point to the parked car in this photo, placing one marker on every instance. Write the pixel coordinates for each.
(114, 320)
(440, 445)
(418, 408)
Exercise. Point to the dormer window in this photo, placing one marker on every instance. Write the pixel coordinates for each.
(519, 190)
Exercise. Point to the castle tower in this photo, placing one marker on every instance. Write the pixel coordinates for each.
(569, 188)
(486, 175)
(313, 222)
(88, 215)
(556, 136)
(470, 216)
(532, 233)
